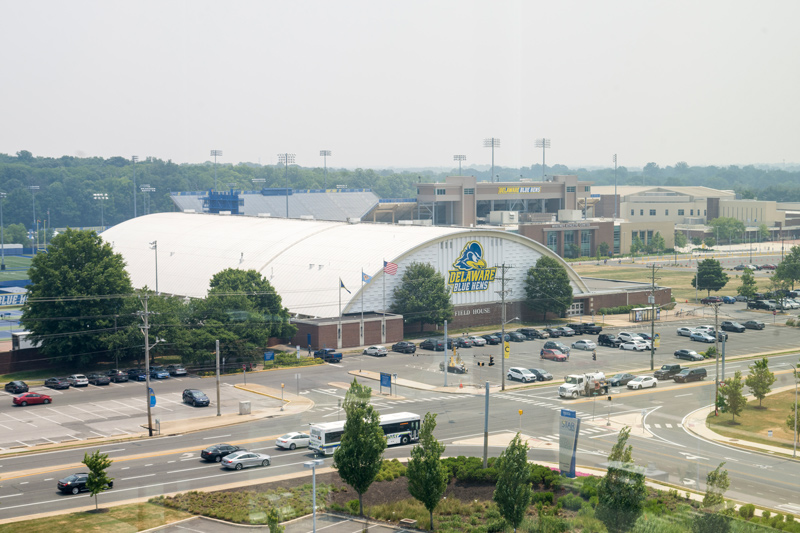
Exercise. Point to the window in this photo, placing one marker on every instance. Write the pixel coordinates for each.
(704, 212)
(552, 240)
(571, 189)
(440, 191)
(632, 211)
(680, 212)
(641, 212)
(652, 212)
(691, 212)
(666, 212)
(587, 188)
(616, 239)
(586, 243)
(649, 235)
(469, 191)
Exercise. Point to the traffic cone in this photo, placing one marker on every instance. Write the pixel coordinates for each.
(460, 385)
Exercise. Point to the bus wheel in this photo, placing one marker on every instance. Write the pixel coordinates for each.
(404, 440)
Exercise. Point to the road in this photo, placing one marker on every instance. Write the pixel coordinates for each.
(149, 467)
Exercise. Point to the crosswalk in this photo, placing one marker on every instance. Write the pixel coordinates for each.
(666, 426)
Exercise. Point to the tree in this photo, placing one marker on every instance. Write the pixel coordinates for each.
(710, 242)
(789, 268)
(680, 239)
(731, 391)
(763, 232)
(513, 491)
(58, 313)
(97, 480)
(727, 228)
(427, 475)
(656, 244)
(603, 248)
(710, 276)
(17, 234)
(423, 296)
(636, 245)
(697, 241)
(573, 250)
(360, 454)
(749, 287)
(547, 287)
(622, 491)
(717, 483)
(760, 379)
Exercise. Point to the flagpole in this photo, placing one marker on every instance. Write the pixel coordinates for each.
(362, 306)
(339, 332)
(383, 314)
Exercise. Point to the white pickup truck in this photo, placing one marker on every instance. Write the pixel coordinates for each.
(590, 384)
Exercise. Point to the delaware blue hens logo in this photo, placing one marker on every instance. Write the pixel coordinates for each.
(470, 272)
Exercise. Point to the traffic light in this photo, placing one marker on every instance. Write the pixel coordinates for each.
(594, 355)
(491, 360)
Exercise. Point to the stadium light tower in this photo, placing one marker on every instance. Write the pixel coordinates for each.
(216, 153)
(2, 233)
(615, 186)
(102, 197)
(286, 159)
(33, 189)
(134, 158)
(459, 158)
(325, 155)
(543, 144)
(146, 189)
(492, 142)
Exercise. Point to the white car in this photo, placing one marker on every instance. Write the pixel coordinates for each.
(78, 380)
(705, 327)
(477, 341)
(642, 382)
(245, 459)
(626, 336)
(585, 344)
(638, 346)
(293, 440)
(377, 351)
(521, 374)
(686, 332)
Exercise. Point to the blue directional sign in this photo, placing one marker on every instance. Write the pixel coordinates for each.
(152, 398)
(269, 356)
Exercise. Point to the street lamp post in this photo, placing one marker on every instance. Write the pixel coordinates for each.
(101, 196)
(543, 143)
(215, 153)
(492, 142)
(134, 158)
(2, 233)
(154, 247)
(33, 189)
(146, 188)
(286, 159)
(313, 466)
(459, 158)
(615, 186)
(325, 155)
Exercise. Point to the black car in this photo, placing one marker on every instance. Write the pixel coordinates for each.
(404, 347)
(491, 339)
(431, 344)
(16, 387)
(556, 345)
(554, 332)
(76, 483)
(516, 337)
(617, 380)
(608, 339)
(499, 335)
(533, 333)
(137, 374)
(732, 326)
(56, 383)
(541, 375)
(98, 379)
(117, 376)
(196, 397)
(216, 452)
(753, 324)
(689, 355)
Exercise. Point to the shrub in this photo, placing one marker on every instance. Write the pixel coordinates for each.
(589, 486)
(593, 501)
(765, 515)
(495, 525)
(747, 511)
(570, 501)
(543, 497)
(790, 322)
(352, 507)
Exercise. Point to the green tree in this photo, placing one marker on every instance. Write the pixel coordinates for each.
(749, 287)
(710, 276)
(760, 379)
(657, 244)
(636, 245)
(789, 268)
(717, 483)
(427, 475)
(423, 296)
(603, 249)
(710, 242)
(573, 250)
(727, 228)
(547, 287)
(763, 232)
(78, 290)
(97, 481)
(360, 454)
(697, 241)
(680, 239)
(17, 234)
(513, 491)
(731, 392)
(621, 492)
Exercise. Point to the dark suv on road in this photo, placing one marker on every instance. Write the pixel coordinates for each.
(555, 345)
(667, 371)
(690, 374)
(729, 325)
(608, 339)
(404, 347)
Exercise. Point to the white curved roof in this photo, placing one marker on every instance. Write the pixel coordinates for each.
(303, 259)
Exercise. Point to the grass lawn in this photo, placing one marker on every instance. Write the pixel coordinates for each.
(679, 280)
(133, 517)
(16, 268)
(754, 422)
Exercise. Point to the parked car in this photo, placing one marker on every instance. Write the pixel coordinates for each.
(585, 344)
(98, 379)
(499, 335)
(553, 355)
(434, 344)
(176, 370)
(754, 324)
(56, 383)
(31, 398)
(16, 387)
(740, 298)
(642, 382)
(627, 336)
(729, 325)
(329, 355)
(541, 374)
(293, 440)
(553, 332)
(753, 267)
(711, 300)
(196, 397)
(78, 380)
(741, 267)
(556, 345)
(769, 266)
(245, 459)
(377, 351)
(463, 342)
(218, 451)
(158, 372)
(645, 336)
(586, 328)
(533, 333)
(76, 483)
(137, 374)
(689, 355)
(708, 328)
(690, 374)
(761, 304)
(404, 347)
(701, 336)
(635, 346)
(566, 331)
(686, 332)
(477, 341)
(667, 371)
(618, 380)
(117, 376)
(520, 374)
(516, 337)
(721, 335)
(608, 339)
(728, 300)
(491, 339)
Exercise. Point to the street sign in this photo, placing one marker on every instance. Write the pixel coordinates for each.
(152, 398)
(269, 356)
(386, 380)
(506, 349)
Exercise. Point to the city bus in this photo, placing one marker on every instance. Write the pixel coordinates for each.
(399, 428)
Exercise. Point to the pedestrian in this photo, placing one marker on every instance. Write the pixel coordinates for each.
(594, 355)
(309, 350)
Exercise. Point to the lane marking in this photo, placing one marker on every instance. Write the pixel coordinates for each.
(88, 412)
(681, 395)
(65, 414)
(136, 477)
(217, 437)
(188, 469)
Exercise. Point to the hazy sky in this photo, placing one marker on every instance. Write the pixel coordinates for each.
(403, 84)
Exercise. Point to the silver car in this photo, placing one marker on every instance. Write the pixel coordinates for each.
(293, 440)
(244, 459)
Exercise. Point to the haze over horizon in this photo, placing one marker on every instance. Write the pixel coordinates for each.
(404, 85)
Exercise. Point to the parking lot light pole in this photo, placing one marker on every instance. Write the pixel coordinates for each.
(313, 466)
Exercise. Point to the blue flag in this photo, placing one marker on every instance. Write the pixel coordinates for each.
(365, 278)
(341, 285)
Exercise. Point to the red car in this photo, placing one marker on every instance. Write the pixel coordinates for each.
(555, 355)
(31, 398)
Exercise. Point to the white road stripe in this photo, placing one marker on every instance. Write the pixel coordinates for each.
(64, 414)
(88, 412)
(136, 477)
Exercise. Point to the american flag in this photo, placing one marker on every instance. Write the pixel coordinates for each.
(390, 268)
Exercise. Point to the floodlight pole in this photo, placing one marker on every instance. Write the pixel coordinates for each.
(459, 158)
(2, 233)
(154, 247)
(492, 142)
(215, 153)
(33, 189)
(615, 187)
(543, 143)
(101, 196)
(134, 158)
(286, 159)
(325, 154)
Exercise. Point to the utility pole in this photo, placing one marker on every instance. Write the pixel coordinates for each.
(652, 301)
(486, 427)
(146, 330)
(716, 356)
(502, 292)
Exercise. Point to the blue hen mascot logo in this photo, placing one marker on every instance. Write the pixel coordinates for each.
(470, 272)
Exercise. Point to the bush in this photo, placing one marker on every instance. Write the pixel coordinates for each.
(495, 525)
(747, 511)
(790, 322)
(589, 486)
(620, 310)
(570, 501)
(390, 470)
(352, 507)
(542, 497)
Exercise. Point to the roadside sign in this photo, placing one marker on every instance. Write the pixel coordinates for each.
(506, 349)
(152, 398)
(269, 356)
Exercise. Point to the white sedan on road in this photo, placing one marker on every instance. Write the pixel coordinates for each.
(585, 344)
(378, 351)
(642, 382)
(638, 346)
(293, 440)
